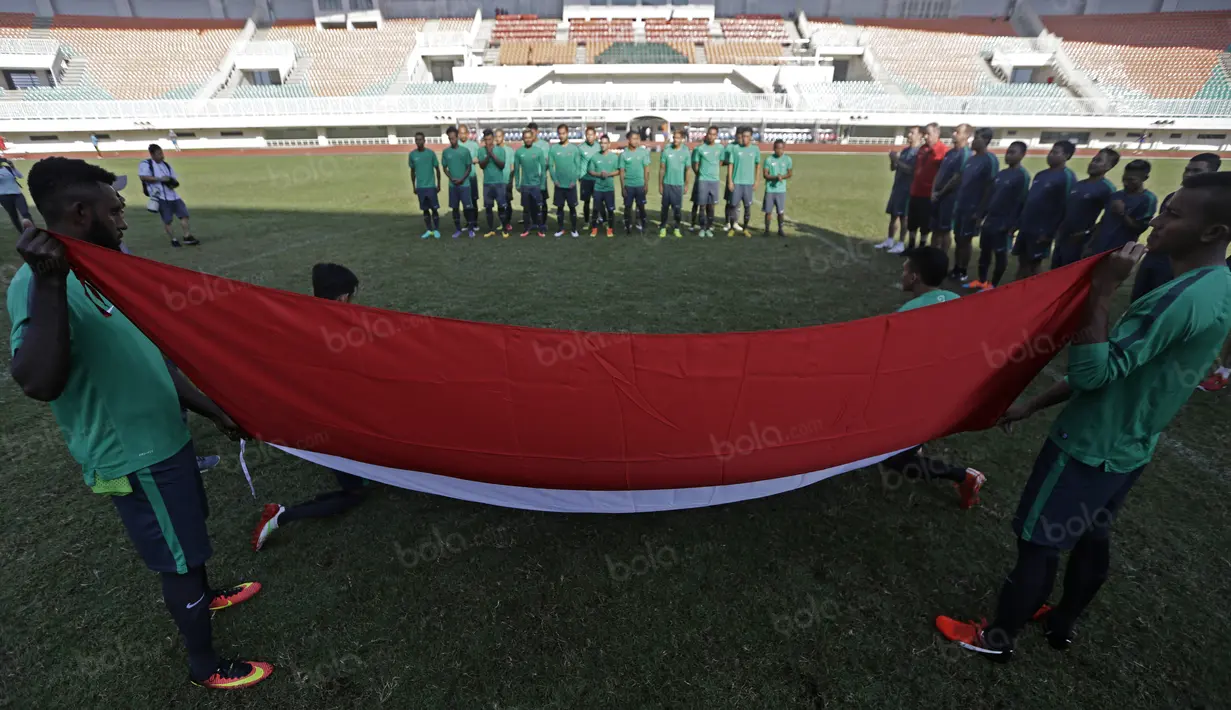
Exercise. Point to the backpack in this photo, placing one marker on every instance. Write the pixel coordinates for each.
(145, 186)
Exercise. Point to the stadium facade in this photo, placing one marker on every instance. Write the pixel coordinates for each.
(223, 74)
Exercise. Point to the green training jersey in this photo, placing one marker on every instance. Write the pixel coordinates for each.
(424, 163)
(456, 162)
(543, 146)
(674, 162)
(493, 174)
(587, 151)
(1128, 389)
(529, 167)
(564, 160)
(119, 412)
(474, 148)
(508, 164)
(634, 163)
(706, 158)
(744, 161)
(930, 298)
(777, 167)
(604, 163)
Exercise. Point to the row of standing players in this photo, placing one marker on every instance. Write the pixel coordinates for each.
(587, 172)
(960, 193)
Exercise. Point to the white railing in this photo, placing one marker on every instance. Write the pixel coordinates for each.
(359, 141)
(29, 46)
(269, 48)
(48, 112)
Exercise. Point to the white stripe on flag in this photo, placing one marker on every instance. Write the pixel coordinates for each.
(555, 500)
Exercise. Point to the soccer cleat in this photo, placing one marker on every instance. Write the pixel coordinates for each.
(205, 463)
(975, 284)
(427, 235)
(1059, 639)
(525, 234)
(885, 244)
(267, 524)
(542, 234)
(730, 232)
(232, 675)
(234, 595)
(175, 243)
(610, 232)
(436, 234)
(489, 234)
(594, 231)
(662, 233)
(560, 233)
(1217, 381)
(969, 488)
(987, 286)
(191, 241)
(457, 234)
(898, 248)
(781, 233)
(678, 234)
(470, 233)
(970, 636)
(573, 234)
(736, 227)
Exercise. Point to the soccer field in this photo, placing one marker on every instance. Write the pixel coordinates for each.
(820, 598)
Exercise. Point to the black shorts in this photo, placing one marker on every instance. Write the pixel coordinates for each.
(165, 513)
(919, 215)
(566, 196)
(1065, 499)
(1032, 247)
(587, 189)
(994, 239)
(673, 196)
(634, 194)
(965, 225)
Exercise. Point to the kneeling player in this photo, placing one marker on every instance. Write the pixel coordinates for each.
(336, 283)
(923, 272)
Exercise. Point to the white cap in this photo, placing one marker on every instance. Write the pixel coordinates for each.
(120, 183)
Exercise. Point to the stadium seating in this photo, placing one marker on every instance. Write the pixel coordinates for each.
(15, 24)
(1219, 84)
(661, 30)
(987, 26)
(348, 62)
(610, 30)
(728, 52)
(72, 93)
(527, 27)
(274, 91)
(455, 24)
(1024, 91)
(139, 59)
(1160, 72)
(447, 88)
(954, 65)
(637, 53)
(763, 28)
(516, 52)
(1202, 30)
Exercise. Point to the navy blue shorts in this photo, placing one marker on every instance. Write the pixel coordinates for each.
(1032, 247)
(673, 195)
(965, 225)
(634, 194)
(942, 214)
(496, 194)
(429, 198)
(994, 239)
(168, 209)
(899, 200)
(566, 196)
(474, 189)
(607, 200)
(696, 184)
(460, 194)
(1069, 249)
(531, 196)
(165, 513)
(1065, 499)
(587, 189)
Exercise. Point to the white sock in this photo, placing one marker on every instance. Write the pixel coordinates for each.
(1224, 372)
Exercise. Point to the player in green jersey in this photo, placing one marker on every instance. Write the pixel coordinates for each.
(506, 217)
(458, 165)
(564, 163)
(464, 140)
(673, 180)
(1125, 384)
(706, 164)
(742, 176)
(588, 148)
(425, 176)
(777, 170)
(529, 169)
(604, 166)
(634, 174)
(493, 160)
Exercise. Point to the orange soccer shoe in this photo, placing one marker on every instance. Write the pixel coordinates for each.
(234, 595)
(233, 675)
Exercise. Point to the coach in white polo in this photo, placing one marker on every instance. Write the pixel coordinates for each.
(158, 181)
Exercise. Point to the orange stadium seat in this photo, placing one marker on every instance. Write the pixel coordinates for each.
(526, 27)
(15, 24)
(662, 30)
(953, 60)
(613, 30)
(987, 26)
(455, 24)
(518, 52)
(733, 52)
(332, 69)
(765, 28)
(1203, 30)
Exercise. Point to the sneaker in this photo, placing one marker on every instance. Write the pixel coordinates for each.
(973, 284)
(573, 234)
(969, 488)
(542, 234)
(641, 229)
(508, 229)
(885, 244)
(610, 232)
(707, 233)
(205, 463)
(506, 234)
(457, 234)
(987, 286)
(1059, 639)
(1217, 381)
(267, 524)
(677, 233)
(970, 636)
(230, 597)
(781, 233)
(427, 235)
(470, 232)
(191, 241)
(594, 231)
(737, 227)
(898, 248)
(961, 278)
(730, 231)
(175, 243)
(560, 233)
(525, 234)
(231, 675)
(436, 234)
(662, 233)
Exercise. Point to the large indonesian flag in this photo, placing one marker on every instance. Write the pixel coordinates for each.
(595, 422)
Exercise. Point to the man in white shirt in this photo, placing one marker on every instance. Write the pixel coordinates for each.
(159, 181)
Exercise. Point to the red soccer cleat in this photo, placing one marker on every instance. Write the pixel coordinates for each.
(969, 635)
(234, 595)
(232, 675)
(266, 525)
(969, 488)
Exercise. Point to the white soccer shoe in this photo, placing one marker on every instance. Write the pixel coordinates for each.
(898, 248)
(885, 244)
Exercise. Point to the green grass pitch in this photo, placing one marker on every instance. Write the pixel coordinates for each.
(821, 598)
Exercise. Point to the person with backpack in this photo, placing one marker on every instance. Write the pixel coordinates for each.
(11, 198)
(158, 182)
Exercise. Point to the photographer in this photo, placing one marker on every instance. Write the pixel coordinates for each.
(11, 198)
(158, 182)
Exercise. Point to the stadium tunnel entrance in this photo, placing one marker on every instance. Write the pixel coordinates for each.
(651, 128)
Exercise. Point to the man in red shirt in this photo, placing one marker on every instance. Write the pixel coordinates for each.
(919, 213)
